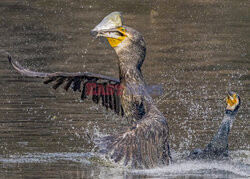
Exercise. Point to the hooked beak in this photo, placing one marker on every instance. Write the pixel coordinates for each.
(109, 33)
(111, 28)
(230, 95)
(233, 101)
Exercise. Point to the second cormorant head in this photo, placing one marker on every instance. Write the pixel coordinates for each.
(233, 102)
(127, 42)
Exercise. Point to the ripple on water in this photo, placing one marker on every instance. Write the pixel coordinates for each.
(237, 166)
(48, 158)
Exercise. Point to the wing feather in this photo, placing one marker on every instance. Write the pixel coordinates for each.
(79, 81)
(143, 146)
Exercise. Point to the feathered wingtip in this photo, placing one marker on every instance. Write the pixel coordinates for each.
(25, 71)
(9, 58)
(14, 63)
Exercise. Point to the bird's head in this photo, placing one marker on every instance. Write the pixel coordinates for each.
(127, 42)
(233, 102)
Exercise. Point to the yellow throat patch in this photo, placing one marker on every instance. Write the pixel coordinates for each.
(114, 42)
(231, 102)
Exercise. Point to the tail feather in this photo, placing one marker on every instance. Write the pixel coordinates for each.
(144, 146)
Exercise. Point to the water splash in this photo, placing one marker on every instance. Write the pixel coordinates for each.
(237, 166)
(199, 168)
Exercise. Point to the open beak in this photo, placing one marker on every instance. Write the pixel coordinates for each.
(108, 26)
(109, 33)
(111, 28)
(230, 95)
(231, 100)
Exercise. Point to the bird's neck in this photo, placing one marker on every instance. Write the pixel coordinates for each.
(230, 113)
(226, 123)
(220, 139)
(130, 74)
(132, 80)
(135, 99)
(130, 59)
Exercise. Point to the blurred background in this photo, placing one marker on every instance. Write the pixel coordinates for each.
(196, 49)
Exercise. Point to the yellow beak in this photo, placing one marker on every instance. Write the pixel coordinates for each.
(231, 99)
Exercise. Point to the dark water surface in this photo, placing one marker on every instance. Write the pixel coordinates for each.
(196, 49)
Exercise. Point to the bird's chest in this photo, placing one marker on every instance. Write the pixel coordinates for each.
(132, 102)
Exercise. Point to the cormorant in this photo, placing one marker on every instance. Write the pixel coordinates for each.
(145, 144)
(218, 147)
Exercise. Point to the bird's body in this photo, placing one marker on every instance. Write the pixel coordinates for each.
(217, 148)
(145, 144)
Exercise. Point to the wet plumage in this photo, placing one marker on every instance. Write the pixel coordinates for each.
(144, 144)
(217, 148)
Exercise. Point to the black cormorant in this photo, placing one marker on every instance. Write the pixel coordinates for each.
(217, 148)
(145, 144)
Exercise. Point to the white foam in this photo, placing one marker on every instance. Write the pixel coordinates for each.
(204, 168)
(237, 166)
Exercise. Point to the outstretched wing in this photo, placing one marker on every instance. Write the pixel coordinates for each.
(143, 146)
(101, 88)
